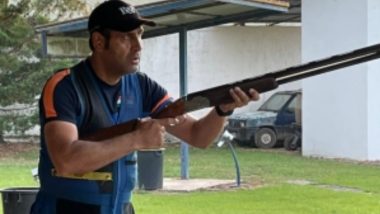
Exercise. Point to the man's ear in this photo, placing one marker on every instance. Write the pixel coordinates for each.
(98, 41)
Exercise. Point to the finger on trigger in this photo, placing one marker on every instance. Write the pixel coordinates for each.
(180, 119)
(173, 121)
(166, 122)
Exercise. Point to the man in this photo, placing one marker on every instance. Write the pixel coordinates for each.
(82, 176)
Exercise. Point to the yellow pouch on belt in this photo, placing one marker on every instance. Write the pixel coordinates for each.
(93, 176)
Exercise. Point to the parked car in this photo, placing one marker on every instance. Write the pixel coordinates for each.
(271, 124)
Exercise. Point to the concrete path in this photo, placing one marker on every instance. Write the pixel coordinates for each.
(174, 184)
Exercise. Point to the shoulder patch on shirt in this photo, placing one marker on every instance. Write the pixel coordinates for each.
(160, 102)
(48, 94)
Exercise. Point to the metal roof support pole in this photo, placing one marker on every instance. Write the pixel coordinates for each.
(44, 44)
(183, 92)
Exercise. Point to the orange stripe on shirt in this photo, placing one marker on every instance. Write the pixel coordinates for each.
(165, 98)
(48, 96)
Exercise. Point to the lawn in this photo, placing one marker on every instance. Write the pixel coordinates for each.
(282, 182)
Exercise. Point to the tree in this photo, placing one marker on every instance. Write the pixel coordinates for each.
(23, 70)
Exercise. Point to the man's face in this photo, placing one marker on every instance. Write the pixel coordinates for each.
(122, 54)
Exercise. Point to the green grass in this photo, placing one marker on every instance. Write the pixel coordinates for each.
(281, 199)
(269, 171)
(16, 167)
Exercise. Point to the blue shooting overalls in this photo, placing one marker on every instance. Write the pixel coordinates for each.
(106, 195)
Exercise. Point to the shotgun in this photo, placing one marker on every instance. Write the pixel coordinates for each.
(269, 81)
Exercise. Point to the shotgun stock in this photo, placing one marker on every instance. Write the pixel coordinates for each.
(220, 94)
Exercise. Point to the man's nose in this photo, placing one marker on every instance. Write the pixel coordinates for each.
(137, 44)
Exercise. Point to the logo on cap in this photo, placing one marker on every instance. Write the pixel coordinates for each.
(127, 10)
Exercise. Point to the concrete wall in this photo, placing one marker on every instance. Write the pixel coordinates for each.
(341, 111)
(223, 54)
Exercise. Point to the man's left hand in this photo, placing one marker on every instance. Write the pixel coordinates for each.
(240, 99)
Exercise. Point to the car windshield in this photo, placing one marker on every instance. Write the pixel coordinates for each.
(275, 102)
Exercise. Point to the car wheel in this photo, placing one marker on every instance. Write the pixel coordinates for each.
(265, 138)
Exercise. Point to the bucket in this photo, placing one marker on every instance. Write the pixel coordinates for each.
(18, 200)
(150, 169)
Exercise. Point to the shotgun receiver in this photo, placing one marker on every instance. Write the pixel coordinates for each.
(220, 94)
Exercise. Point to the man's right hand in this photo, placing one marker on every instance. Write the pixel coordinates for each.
(151, 133)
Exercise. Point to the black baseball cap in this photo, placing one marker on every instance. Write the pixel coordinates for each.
(116, 15)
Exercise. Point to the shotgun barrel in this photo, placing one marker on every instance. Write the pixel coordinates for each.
(220, 94)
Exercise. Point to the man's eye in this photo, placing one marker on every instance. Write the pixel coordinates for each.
(126, 37)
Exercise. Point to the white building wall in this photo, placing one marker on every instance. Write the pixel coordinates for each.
(373, 83)
(221, 55)
(340, 109)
